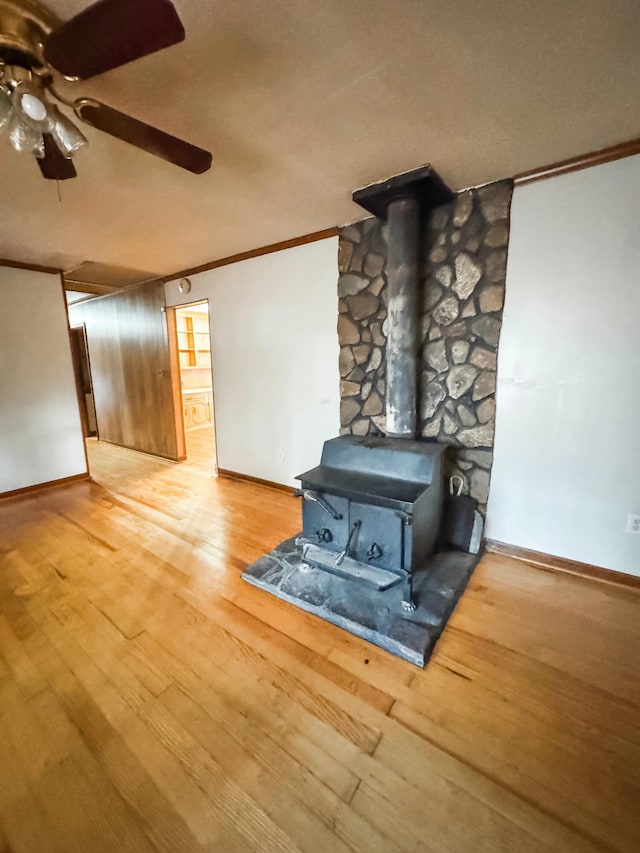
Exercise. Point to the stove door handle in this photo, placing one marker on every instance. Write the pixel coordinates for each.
(352, 535)
(308, 495)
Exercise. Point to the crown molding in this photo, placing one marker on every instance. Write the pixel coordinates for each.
(583, 161)
(19, 265)
(254, 253)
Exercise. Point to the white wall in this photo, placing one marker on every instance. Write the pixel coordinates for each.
(275, 358)
(567, 449)
(40, 432)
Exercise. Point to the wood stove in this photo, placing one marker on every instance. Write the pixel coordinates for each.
(371, 509)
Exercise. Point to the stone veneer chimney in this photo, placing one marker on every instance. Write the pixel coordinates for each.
(461, 257)
(403, 201)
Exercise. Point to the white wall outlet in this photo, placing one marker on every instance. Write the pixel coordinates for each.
(633, 523)
(280, 457)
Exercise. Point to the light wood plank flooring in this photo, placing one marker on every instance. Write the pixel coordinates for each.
(150, 700)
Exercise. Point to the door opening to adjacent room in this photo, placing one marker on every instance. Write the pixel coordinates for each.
(196, 382)
(82, 373)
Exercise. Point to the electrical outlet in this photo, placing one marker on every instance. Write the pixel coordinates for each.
(280, 457)
(633, 523)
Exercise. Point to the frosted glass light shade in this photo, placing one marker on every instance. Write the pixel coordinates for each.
(5, 107)
(32, 105)
(25, 136)
(29, 115)
(29, 120)
(64, 132)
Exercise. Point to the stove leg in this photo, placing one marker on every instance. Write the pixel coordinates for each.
(408, 604)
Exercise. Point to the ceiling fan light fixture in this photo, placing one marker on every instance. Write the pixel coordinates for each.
(36, 50)
(66, 135)
(31, 106)
(25, 131)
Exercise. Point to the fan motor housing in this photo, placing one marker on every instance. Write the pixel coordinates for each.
(24, 26)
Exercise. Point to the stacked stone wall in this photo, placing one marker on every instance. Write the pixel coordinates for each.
(464, 256)
(362, 331)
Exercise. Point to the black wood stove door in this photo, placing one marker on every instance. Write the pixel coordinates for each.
(379, 538)
(321, 527)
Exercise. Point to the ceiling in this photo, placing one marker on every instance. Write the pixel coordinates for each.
(302, 102)
(92, 277)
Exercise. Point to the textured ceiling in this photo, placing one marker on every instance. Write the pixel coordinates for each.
(104, 276)
(302, 102)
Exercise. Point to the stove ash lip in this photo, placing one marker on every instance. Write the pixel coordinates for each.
(402, 200)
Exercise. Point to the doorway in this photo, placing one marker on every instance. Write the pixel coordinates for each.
(196, 382)
(82, 374)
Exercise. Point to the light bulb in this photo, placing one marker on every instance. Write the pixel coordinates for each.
(33, 107)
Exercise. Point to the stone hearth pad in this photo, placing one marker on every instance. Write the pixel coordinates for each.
(376, 616)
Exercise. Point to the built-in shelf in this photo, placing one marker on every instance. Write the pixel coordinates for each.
(194, 349)
(193, 340)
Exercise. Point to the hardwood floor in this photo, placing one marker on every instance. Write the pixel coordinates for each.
(151, 700)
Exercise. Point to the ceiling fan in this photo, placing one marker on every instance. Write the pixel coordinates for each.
(36, 50)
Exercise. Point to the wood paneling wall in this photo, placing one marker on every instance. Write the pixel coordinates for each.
(131, 370)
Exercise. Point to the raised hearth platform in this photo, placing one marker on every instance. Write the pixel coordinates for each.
(376, 616)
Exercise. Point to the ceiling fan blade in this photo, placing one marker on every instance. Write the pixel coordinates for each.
(143, 136)
(111, 33)
(54, 165)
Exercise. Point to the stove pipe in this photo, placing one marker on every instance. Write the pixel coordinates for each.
(402, 200)
(403, 216)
